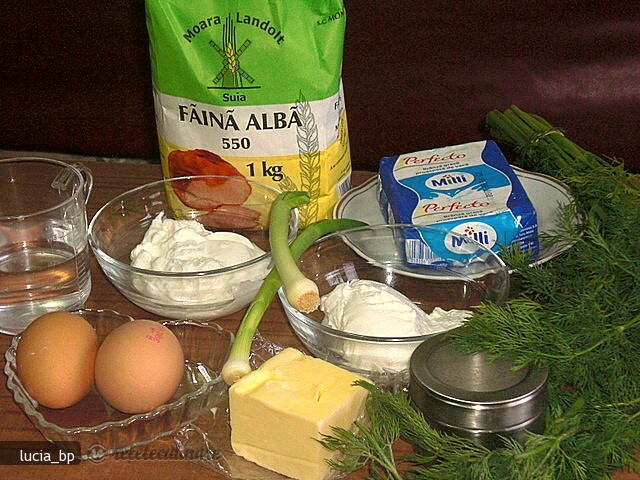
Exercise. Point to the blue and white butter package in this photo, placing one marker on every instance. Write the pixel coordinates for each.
(468, 189)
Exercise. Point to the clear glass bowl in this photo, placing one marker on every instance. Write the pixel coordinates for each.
(99, 428)
(200, 296)
(377, 253)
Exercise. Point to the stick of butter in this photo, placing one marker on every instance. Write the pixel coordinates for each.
(279, 411)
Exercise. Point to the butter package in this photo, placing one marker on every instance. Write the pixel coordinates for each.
(469, 190)
(280, 411)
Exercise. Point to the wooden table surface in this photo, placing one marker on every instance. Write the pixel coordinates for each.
(111, 179)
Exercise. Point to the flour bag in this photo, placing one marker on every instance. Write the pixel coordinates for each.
(253, 88)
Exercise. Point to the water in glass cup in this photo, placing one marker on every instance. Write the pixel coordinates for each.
(44, 260)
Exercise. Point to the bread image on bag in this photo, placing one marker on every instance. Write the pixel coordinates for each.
(251, 89)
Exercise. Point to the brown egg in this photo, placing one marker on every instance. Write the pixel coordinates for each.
(55, 359)
(139, 366)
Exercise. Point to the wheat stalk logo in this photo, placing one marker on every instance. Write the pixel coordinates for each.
(231, 75)
(310, 165)
(230, 59)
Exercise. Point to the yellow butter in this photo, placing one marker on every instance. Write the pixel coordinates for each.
(279, 411)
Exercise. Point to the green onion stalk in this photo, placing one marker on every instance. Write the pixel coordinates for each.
(285, 273)
(550, 151)
(301, 292)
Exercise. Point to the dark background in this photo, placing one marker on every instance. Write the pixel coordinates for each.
(75, 76)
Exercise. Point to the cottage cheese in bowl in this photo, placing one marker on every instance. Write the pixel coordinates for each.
(186, 246)
(374, 309)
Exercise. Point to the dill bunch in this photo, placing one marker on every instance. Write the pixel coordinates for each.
(578, 314)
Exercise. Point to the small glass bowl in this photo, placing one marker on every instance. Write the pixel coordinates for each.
(120, 225)
(377, 253)
(102, 430)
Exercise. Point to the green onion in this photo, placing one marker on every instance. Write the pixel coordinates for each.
(237, 365)
(301, 292)
(549, 150)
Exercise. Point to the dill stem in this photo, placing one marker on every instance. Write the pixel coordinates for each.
(616, 405)
(383, 454)
(635, 415)
(635, 401)
(626, 270)
(617, 329)
(555, 446)
(379, 448)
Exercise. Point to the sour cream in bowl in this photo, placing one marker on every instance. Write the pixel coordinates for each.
(187, 246)
(183, 262)
(376, 308)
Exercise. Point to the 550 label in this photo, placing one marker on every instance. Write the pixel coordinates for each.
(234, 143)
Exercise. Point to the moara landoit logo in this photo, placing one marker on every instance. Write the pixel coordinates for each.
(449, 180)
(232, 75)
(479, 232)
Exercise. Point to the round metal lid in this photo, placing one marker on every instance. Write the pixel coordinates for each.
(437, 368)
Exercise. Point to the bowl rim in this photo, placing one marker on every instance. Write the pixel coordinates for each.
(22, 397)
(309, 322)
(102, 255)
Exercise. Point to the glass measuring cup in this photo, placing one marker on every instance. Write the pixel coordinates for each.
(44, 256)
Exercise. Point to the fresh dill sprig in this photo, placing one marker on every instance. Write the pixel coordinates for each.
(578, 314)
(555, 455)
